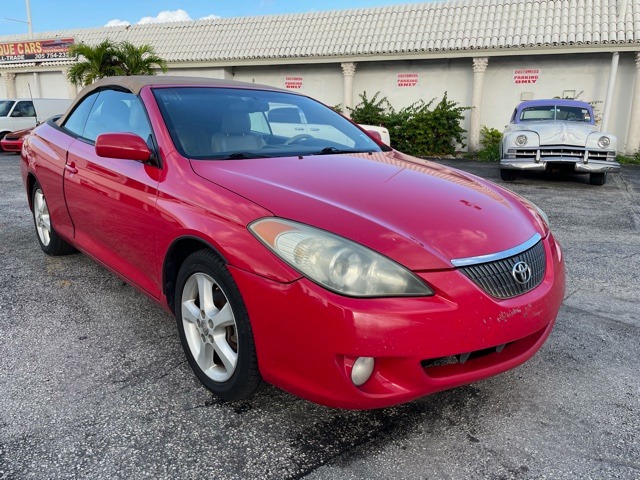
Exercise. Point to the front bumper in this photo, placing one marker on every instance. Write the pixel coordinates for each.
(307, 338)
(538, 159)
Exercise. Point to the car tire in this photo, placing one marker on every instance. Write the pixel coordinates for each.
(50, 242)
(214, 328)
(598, 178)
(508, 175)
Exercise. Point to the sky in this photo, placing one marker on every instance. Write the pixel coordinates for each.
(48, 15)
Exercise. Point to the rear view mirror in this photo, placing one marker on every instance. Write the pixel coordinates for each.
(126, 146)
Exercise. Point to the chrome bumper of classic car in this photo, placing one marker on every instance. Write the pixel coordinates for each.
(584, 161)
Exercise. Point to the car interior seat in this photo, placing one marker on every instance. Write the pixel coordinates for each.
(235, 134)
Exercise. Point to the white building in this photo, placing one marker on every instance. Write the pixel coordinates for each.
(489, 54)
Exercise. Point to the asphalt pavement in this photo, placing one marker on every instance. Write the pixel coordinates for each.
(94, 384)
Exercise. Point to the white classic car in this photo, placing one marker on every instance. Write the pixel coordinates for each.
(557, 134)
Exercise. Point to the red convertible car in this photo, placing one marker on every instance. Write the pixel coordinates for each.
(324, 263)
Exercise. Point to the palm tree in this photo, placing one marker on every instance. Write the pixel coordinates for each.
(108, 59)
(142, 60)
(97, 62)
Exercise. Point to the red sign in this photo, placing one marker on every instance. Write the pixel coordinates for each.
(407, 79)
(36, 50)
(293, 82)
(526, 75)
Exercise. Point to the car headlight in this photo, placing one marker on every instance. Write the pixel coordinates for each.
(521, 140)
(336, 263)
(604, 142)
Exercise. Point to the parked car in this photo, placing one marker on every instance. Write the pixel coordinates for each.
(12, 141)
(378, 132)
(23, 113)
(557, 134)
(342, 271)
(290, 121)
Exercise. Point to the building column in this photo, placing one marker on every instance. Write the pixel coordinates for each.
(479, 67)
(10, 82)
(613, 72)
(633, 134)
(35, 93)
(348, 71)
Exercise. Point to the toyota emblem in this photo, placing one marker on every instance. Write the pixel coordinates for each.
(521, 272)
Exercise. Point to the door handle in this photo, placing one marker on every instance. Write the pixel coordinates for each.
(71, 168)
(299, 129)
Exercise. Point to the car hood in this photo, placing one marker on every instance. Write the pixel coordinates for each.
(557, 132)
(418, 213)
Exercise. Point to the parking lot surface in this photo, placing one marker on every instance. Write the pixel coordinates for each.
(94, 384)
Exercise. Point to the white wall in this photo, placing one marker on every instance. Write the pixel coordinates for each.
(53, 85)
(434, 78)
(321, 81)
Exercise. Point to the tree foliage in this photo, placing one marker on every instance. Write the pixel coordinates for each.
(108, 59)
(138, 60)
(417, 129)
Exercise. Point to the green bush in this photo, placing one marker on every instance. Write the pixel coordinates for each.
(629, 159)
(371, 112)
(417, 129)
(490, 139)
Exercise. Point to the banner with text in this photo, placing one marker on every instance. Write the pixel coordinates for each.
(35, 50)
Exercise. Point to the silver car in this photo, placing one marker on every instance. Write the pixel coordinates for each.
(557, 134)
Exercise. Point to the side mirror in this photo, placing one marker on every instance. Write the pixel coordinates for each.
(126, 146)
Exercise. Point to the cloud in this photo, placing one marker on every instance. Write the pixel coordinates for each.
(167, 16)
(164, 16)
(117, 23)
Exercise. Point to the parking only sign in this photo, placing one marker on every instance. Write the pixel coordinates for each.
(526, 75)
(407, 79)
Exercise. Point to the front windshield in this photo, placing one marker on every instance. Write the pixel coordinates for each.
(228, 123)
(551, 112)
(5, 106)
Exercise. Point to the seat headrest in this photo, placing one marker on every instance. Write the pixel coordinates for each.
(236, 123)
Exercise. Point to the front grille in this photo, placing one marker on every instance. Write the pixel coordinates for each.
(563, 152)
(496, 278)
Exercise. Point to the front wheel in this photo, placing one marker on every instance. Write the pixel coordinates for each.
(597, 178)
(214, 328)
(50, 242)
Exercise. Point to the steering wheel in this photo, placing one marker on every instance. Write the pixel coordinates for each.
(302, 136)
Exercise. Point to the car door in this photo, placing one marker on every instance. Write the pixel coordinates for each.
(112, 202)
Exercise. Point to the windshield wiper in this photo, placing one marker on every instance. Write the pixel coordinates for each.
(329, 150)
(239, 155)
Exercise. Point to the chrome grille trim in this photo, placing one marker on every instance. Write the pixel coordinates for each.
(492, 257)
(496, 279)
(561, 152)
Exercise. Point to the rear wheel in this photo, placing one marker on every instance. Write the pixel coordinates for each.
(508, 175)
(214, 328)
(50, 242)
(597, 178)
